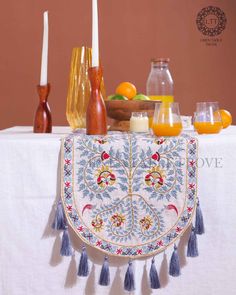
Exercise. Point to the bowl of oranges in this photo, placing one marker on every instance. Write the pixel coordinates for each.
(125, 101)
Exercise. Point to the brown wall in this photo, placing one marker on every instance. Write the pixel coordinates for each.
(131, 32)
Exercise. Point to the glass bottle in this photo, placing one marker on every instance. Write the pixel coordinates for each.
(160, 85)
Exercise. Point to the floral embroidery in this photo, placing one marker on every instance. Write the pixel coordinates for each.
(160, 141)
(97, 224)
(105, 177)
(146, 222)
(155, 177)
(117, 219)
(101, 140)
(117, 189)
(119, 251)
(139, 251)
(104, 156)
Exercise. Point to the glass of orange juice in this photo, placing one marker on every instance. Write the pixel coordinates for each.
(167, 120)
(207, 118)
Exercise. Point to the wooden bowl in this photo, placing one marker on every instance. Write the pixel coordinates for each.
(121, 110)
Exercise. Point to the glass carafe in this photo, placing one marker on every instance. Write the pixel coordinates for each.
(79, 87)
(160, 85)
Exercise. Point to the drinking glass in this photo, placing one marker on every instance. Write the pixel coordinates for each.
(167, 120)
(207, 118)
(139, 122)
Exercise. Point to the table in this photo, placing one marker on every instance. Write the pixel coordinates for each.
(29, 250)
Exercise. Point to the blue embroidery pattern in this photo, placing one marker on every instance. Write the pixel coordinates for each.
(129, 194)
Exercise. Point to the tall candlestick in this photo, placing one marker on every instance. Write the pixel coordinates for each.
(95, 49)
(44, 62)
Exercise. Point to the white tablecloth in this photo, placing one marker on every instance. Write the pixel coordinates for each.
(30, 263)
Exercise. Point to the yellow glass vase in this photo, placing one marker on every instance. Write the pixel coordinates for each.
(79, 87)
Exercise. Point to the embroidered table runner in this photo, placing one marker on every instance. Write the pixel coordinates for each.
(129, 194)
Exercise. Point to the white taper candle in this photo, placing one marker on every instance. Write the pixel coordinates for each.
(95, 47)
(44, 61)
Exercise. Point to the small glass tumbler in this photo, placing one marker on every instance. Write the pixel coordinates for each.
(139, 122)
(167, 120)
(207, 118)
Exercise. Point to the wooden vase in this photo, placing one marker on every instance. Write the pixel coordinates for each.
(43, 118)
(96, 116)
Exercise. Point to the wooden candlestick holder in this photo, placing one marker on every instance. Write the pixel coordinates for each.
(96, 115)
(43, 118)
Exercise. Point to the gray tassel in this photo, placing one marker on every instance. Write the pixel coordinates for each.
(83, 270)
(59, 222)
(129, 278)
(192, 244)
(174, 269)
(66, 248)
(104, 279)
(199, 223)
(153, 276)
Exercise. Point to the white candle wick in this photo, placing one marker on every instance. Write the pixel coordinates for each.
(44, 61)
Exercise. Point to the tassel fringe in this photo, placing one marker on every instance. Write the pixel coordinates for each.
(129, 278)
(174, 269)
(199, 223)
(192, 244)
(59, 222)
(153, 276)
(83, 270)
(104, 279)
(66, 248)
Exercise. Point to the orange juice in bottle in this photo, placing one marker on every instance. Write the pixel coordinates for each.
(160, 85)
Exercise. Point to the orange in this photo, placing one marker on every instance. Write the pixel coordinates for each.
(126, 89)
(226, 118)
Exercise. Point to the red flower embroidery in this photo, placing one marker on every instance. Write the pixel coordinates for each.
(139, 251)
(105, 177)
(69, 208)
(117, 219)
(160, 141)
(192, 141)
(191, 163)
(104, 156)
(67, 161)
(99, 243)
(119, 251)
(160, 243)
(191, 185)
(156, 156)
(97, 224)
(178, 229)
(101, 141)
(67, 184)
(80, 228)
(189, 209)
(155, 177)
